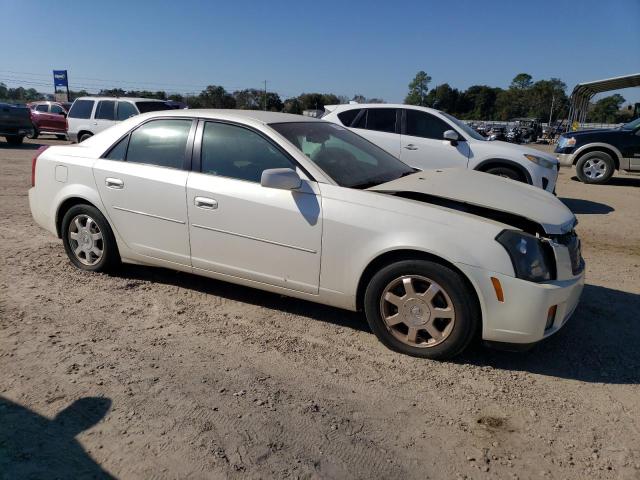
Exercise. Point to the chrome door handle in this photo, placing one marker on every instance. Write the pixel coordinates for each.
(411, 146)
(206, 203)
(114, 183)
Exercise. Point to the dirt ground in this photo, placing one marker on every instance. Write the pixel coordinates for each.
(150, 373)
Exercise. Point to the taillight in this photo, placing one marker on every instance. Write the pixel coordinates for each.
(33, 164)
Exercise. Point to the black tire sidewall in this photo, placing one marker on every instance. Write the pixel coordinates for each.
(83, 137)
(505, 172)
(36, 134)
(466, 322)
(600, 156)
(110, 257)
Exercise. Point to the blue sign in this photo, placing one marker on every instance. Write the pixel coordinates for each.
(60, 78)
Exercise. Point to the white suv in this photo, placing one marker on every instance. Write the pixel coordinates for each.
(91, 115)
(426, 138)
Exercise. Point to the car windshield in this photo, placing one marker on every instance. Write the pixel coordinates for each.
(144, 107)
(464, 127)
(632, 125)
(350, 160)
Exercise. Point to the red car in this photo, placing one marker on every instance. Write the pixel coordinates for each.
(49, 117)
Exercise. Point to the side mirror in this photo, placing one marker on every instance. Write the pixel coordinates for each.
(451, 135)
(282, 178)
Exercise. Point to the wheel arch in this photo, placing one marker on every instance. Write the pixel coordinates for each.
(503, 162)
(393, 256)
(610, 150)
(82, 132)
(64, 207)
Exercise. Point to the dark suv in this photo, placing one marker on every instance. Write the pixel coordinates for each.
(598, 153)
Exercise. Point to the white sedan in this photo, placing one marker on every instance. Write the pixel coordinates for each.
(309, 209)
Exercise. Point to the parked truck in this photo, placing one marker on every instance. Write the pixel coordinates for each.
(15, 123)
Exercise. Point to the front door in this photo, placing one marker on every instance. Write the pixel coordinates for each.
(142, 183)
(423, 145)
(240, 228)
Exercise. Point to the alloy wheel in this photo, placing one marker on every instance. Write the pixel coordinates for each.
(85, 239)
(417, 311)
(594, 168)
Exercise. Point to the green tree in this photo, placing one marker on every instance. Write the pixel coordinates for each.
(112, 92)
(444, 98)
(293, 105)
(215, 96)
(606, 109)
(418, 89)
(522, 81)
(545, 93)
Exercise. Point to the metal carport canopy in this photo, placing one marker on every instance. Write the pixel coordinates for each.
(583, 92)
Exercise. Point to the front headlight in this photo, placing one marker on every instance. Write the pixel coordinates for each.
(543, 162)
(531, 259)
(566, 142)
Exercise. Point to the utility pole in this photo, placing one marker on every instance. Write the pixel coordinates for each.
(265, 95)
(553, 99)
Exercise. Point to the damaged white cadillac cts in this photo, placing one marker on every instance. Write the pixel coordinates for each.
(309, 209)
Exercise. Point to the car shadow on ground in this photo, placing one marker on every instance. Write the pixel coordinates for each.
(588, 207)
(620, 181)
(239, 293)
(23, 146)
(600, 343)
(32, 446)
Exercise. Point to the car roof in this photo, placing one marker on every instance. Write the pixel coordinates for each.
(260, 116)
(350, 106)
(131, 99)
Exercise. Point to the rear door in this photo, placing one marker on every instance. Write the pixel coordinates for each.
(423, 144)
(142, 183)
(105, 115)
(380, 126)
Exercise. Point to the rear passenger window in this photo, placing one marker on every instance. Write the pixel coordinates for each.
(381, 119)
(236, 152)
(57, 109)
(348, 116)
(81, 109)
(119, 152)
(42, 108)
(425, 125)
(126, 110)
(106, 110)
(160, 142)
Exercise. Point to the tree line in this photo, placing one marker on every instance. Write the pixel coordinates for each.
(523, 98)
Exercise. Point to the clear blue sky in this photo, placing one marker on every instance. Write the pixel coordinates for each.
(344, 47)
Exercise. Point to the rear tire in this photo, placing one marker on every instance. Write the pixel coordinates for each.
(89, 240)
(595, 168)
(421, 308)
(35, 134)
(15, 140)
(84, 136)
(506, 172)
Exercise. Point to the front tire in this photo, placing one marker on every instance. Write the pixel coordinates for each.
(35, 134)
(506, 172)
(595, 168)
(88, 239)
(421, 308)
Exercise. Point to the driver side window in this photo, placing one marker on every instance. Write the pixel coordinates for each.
(425, 125)
(237, 152)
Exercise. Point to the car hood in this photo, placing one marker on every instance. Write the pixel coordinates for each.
(485, 195)
(582, 133)
(499, 147)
